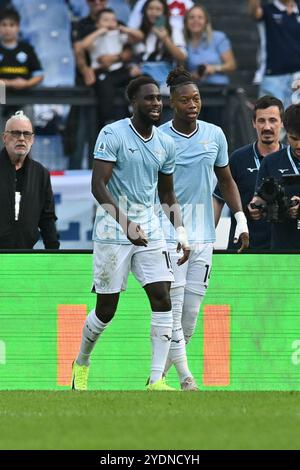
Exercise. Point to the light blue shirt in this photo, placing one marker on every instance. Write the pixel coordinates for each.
(209, 52)
(134, 178)
(196, 156)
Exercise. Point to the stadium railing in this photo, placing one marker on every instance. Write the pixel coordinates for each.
(236, 107)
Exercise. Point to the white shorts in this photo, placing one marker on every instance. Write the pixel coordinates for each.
(195, 273)
(112, 264)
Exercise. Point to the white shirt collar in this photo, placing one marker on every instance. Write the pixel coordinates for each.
(282, 7)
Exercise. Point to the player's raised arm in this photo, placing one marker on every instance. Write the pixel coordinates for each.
(102, 171)
(172, 210)
(232, 198)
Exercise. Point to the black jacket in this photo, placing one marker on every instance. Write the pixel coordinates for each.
(37, 211)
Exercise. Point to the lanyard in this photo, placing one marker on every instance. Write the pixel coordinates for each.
(256, 158)
(258, 162)
(296, 171)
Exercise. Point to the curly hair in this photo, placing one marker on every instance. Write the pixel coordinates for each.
(179, 76)
(135, 84)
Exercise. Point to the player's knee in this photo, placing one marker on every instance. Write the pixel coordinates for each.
(106, 307)
(105, 315)
(162, 302)
(159, 296)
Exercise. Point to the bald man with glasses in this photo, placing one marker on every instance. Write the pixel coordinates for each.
(26, 197)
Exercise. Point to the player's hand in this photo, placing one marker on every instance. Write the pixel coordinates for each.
(244, 239)
(182, 244)
(186, 254)
(241, 232)
(255, 214)
(136, 234)
(293, 211)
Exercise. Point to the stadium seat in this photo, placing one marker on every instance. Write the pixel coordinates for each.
(43, 14)
(48, 150)
(121, 8)
(79, 8)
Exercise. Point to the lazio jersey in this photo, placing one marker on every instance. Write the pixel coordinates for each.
(134, 178)
(196, 156)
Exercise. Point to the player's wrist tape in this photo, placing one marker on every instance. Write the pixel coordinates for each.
(241, 224)
(181, 237)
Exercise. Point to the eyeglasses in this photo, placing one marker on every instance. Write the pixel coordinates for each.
(17, 134)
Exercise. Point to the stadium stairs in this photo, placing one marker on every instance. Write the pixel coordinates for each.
(231, 16)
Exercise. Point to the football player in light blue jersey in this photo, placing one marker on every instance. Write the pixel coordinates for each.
(133, 160)
(201, 151)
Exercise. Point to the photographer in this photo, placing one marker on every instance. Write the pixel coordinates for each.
(286, 230)
(244, 165)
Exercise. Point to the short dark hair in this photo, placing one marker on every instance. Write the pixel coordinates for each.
(291, 119)
(135, 84)
(10, 14)
(266, 102)
(179, 76)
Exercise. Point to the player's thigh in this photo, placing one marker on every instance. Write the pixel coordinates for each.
(111, 267)
(152, 264)
(199, 268)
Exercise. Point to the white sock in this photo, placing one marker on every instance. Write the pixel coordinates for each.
(92, 329)
(161, 333)
(190, 311)
(169, 362)
(177, 352)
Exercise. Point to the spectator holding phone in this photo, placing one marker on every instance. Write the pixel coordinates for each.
(210, 56)
(177, 10)
(158, 50)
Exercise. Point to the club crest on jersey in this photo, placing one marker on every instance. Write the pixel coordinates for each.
(160, 153)
(21, 57)
(205, 143)
(101, 147)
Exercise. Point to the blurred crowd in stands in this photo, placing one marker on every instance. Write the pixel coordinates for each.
(103, 44)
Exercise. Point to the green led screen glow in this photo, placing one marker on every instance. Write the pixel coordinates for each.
(248, 333)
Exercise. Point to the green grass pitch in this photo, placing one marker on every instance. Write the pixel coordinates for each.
(149, 420)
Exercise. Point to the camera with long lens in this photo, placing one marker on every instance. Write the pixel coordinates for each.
(277, 203)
